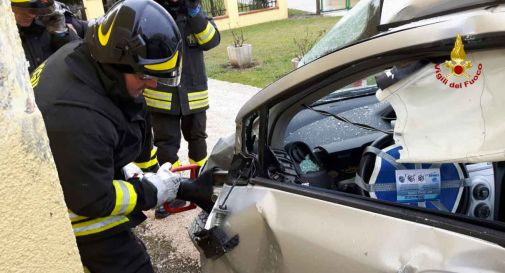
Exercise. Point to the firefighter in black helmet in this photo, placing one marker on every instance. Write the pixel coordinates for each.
(44, 26)
(183, 108)
(89, 93)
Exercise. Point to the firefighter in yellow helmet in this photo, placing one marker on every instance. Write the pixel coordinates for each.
(89, 93)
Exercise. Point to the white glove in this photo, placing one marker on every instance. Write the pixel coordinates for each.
(166, 182)
(132, 170)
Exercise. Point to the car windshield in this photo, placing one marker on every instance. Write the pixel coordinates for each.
(368, 16)
(358, 88)
(360, 23)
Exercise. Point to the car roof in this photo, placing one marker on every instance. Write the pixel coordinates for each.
(400, 12)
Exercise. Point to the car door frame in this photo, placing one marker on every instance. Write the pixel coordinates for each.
(289, 103)
(491, 234)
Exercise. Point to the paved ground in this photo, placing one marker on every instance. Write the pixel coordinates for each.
(167, 240)
(305, 5)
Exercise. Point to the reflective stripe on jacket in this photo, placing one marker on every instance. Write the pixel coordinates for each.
(93, 133)
(126, 200)
(191, 96)
(150, 165)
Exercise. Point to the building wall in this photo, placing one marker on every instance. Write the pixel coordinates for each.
(234, 19)
(35, 231)
(94, 8)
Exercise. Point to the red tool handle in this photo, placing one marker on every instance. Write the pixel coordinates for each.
(193, 174)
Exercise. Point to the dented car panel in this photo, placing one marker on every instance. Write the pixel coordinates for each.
(285, 232)
(304, 191)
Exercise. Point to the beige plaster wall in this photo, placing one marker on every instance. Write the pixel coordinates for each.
(234, 19)
(94, 8)
(35, 232)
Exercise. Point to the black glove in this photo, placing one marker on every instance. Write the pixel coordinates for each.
(198, 191)
(55, 21)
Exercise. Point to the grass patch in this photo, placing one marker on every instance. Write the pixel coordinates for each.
(296, 12)
(273, 49)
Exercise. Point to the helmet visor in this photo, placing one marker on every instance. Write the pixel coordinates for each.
(171, 79)
(167, 70)
(174, 79)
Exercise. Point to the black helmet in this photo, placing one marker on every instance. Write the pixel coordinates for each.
(39, 7)
(138, 36)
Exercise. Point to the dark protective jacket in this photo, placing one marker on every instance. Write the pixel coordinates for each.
(95, 129)
(199, 34)
(39, 44)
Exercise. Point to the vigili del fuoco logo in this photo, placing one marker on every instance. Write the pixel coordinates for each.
(458, 72)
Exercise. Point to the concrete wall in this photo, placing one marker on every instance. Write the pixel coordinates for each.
(234, 19)
(35, 231)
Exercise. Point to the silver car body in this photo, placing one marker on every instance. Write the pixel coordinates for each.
(285, 228)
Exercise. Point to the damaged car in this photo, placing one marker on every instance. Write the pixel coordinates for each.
(383, 152)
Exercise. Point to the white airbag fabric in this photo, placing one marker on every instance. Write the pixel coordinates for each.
(437, 123)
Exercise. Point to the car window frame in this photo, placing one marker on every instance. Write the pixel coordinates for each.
(338, 76)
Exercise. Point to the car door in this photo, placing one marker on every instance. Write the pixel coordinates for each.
(288, 227)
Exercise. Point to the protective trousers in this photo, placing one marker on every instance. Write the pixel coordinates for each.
(119, 253)
(167, 135)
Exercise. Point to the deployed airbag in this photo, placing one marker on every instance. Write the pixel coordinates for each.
(453, 111)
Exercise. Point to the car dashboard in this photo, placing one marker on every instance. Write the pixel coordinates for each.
(323, 152)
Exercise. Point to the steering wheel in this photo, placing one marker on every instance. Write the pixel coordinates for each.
(301, 154)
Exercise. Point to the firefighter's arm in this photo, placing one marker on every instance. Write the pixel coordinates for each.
(56, 25)
(147, 161)
(57, 41)
(204, 30)
(86, 170)
(77, 25)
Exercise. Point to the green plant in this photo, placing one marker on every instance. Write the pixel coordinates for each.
(273, 50)
(306, 42)
(238, 36)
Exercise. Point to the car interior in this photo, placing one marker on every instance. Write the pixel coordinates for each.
(342, 142)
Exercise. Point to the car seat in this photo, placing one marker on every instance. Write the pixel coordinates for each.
(377, 177)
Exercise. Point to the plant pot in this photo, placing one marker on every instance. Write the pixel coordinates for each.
(295, 62)
(240, 56)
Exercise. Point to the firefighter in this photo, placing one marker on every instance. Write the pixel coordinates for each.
(44, 26)
(184, 107)
(89, 93)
